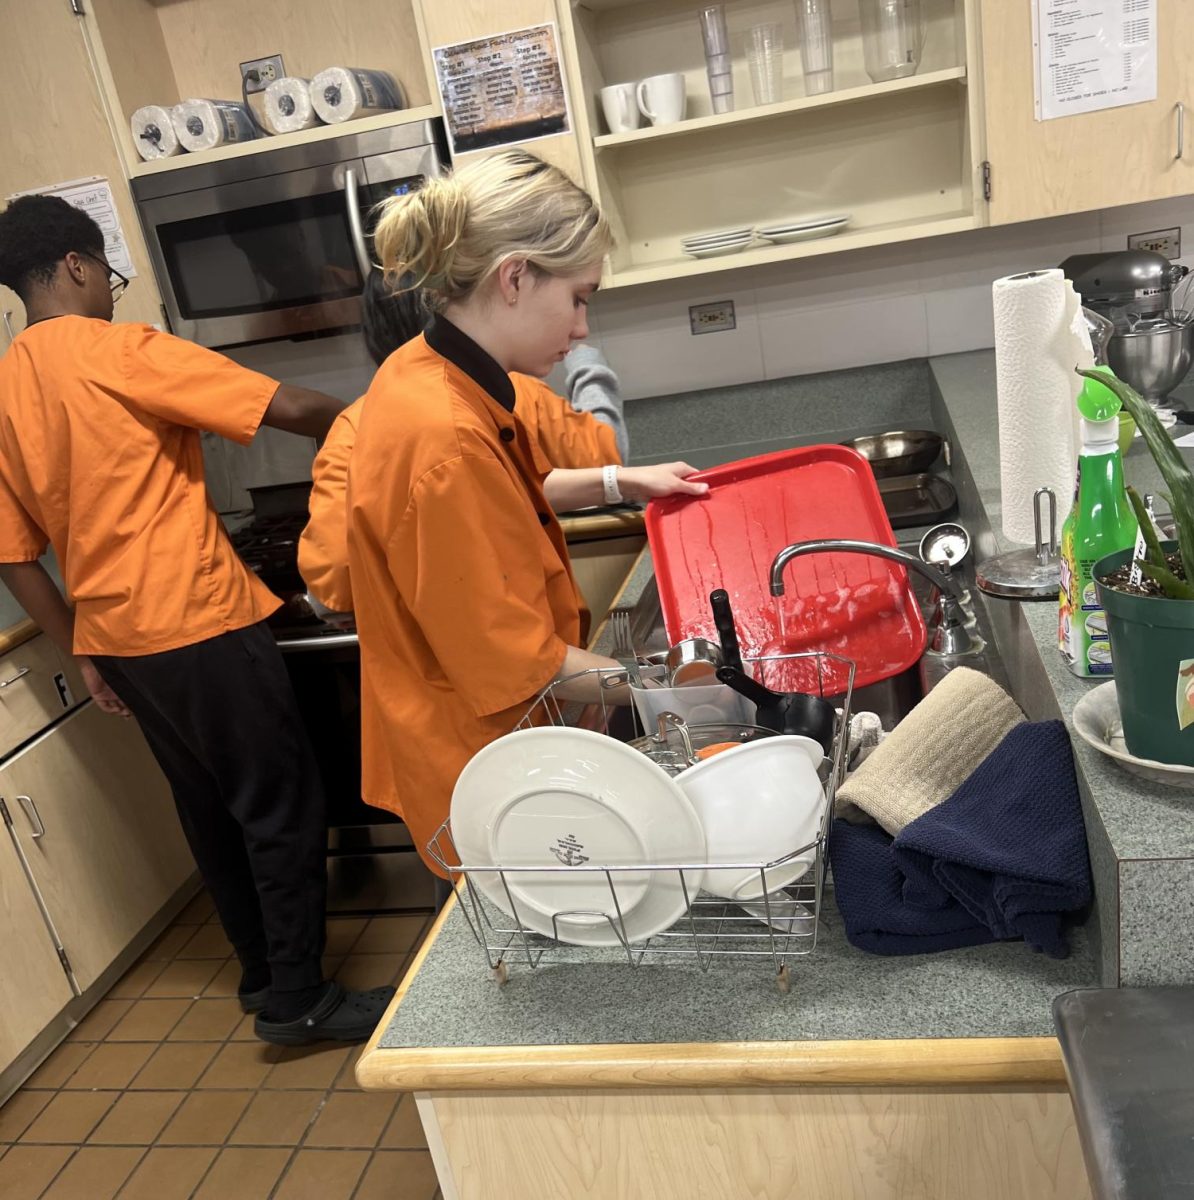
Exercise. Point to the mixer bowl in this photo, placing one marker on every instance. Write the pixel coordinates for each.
(1153, 359)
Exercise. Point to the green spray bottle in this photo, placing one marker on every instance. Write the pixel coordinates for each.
(1101, 522)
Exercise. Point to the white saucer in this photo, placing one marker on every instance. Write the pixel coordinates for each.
(718, 235)
(1097, 721)
(560, 797)
(721, 248)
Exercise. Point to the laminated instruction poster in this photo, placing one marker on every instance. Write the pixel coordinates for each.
(502, 89)
(1093, 54)
(94, 196)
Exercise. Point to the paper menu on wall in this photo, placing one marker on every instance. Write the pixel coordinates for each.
(1093, 54)
(94, 196)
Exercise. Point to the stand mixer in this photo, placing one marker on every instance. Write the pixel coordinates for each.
(1151, 346)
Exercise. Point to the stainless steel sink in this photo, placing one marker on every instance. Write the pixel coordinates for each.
(893, 698)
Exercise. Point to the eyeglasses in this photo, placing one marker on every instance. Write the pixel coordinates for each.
(121, 283)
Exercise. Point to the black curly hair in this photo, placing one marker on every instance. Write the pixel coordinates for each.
(390, 318)
(36, 234)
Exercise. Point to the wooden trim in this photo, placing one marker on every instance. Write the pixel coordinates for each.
(763, 112)
(603, 524)
(913, 1062)
(18, 634)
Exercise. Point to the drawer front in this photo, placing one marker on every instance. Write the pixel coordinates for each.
(30, 696)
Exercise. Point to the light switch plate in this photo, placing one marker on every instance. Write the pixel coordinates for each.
(1160, 241)
(712, 318)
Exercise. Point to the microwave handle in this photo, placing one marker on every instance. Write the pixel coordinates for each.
(352, 201)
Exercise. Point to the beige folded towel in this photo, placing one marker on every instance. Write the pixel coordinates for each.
(922, 762)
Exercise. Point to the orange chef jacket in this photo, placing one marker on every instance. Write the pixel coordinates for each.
(100, 456)
(567, 438)
(464, 598)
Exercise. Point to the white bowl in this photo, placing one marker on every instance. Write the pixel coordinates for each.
(758, 803)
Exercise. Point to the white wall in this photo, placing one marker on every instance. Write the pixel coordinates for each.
(852, 309)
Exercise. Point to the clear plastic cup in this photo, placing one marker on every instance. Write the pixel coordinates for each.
(765, 58)
(814, 26)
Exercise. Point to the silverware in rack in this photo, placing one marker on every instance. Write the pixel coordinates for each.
(776, 927)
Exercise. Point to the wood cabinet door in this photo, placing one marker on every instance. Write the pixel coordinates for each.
(1090, 160)
(56, 130)
(33, 985)
(95, 819)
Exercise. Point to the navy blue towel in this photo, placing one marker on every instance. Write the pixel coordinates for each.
(1004, 857)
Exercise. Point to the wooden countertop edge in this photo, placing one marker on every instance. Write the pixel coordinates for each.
(913, 1062)
(18, 634)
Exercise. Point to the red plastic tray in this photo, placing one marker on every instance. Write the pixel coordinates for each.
(855, 605)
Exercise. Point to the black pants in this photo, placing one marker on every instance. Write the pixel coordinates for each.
(221, 719)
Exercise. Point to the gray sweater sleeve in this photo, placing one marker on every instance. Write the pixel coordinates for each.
(592, 387)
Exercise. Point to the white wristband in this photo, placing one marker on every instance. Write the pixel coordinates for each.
(609, 481)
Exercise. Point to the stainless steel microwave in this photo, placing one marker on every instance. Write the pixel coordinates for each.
(276, 243)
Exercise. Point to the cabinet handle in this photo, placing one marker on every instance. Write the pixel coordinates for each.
(353, 203)
(39, 828)
(21, 673)
(1181, 131)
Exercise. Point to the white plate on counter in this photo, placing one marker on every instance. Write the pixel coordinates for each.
(718, 235)
(562, 798)
(1097, 721)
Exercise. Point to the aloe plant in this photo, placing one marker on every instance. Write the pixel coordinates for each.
(1178, 479)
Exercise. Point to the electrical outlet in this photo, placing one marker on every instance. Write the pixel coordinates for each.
(712, 318)
(258, 73)
(1161, 241)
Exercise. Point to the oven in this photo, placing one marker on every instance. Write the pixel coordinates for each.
(276, 243)
(372, 862)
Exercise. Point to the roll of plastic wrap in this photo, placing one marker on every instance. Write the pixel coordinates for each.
(1040, 337)
(153, 133)
(205, 124)
(344, 93)
(288, 105)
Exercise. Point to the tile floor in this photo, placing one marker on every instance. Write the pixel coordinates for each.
(163, 1093)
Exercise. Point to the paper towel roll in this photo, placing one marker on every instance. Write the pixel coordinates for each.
(205, 124)
(288, 105)
(1040, 337)
(153, 132)
(344, 93)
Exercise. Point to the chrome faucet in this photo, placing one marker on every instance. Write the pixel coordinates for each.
(949, 633)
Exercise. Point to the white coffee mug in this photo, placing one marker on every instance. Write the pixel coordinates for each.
(621, 110)
(661, 98)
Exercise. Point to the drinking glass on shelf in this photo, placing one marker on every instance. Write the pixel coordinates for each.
(717, 57)
(814, 25)
(893, 36)
(765, 58)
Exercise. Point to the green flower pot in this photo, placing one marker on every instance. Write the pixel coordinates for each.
(1152, 647)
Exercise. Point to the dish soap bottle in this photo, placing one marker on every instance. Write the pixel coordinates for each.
(1101, 522)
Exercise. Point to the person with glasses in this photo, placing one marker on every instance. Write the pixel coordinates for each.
(100, 457)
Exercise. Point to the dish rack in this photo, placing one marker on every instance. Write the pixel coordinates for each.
(775, 927)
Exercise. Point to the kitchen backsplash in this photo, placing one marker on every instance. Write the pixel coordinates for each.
(825, 314)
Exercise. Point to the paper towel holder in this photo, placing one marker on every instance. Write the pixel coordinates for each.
(1031, 574)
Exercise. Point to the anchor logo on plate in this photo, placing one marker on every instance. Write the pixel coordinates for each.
(569, 851)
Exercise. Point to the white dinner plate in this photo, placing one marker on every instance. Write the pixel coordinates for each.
(1096, 718)
(803, 235)
(563, 798)
(805, 223)
(714, 251)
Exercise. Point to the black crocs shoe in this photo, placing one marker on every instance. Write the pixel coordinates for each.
(337, 1016)
(253, 1002)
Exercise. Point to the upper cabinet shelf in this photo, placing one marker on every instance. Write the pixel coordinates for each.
(873, 91)
(165, 51)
